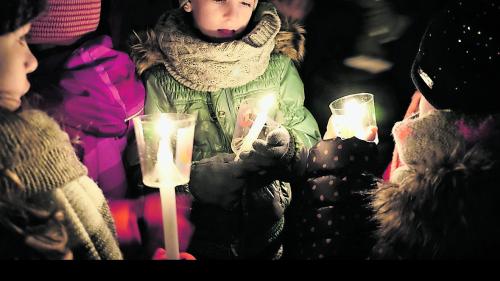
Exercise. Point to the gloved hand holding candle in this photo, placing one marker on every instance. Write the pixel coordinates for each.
(353, 116)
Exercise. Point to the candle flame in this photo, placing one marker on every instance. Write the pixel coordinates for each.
(163, 126)
(350, 123)
(353, 108)
(265, 105)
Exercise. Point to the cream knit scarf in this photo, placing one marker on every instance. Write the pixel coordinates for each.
(206, 66)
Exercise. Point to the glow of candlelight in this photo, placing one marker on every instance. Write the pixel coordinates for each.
(355, 114)
(260, 121)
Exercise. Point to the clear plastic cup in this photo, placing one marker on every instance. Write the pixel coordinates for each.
(354, 116)
(165, 144)
(253, 122)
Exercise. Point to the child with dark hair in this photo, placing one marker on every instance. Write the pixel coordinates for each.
(90, 88)
(441, 197)
(93, 92)
(441, 200)
(30, 232)
(48, 204)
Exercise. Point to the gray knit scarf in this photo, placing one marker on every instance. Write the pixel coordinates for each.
(206, 66)
(38, 161)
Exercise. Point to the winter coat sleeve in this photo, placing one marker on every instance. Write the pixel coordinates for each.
(297, 119)
(334, 213)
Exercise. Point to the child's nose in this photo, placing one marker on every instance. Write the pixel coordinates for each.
(31, 63)
(230, 11)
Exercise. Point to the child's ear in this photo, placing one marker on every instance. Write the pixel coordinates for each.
(187, 7)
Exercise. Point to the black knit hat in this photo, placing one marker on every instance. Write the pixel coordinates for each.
(458, 64)
(16, 13)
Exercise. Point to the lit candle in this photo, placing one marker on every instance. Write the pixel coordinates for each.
(353, 116)
(165, 146)
(167, 173)
(351, 123)
(260, 121)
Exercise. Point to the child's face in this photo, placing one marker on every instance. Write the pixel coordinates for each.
(222, 20)
(16, 61)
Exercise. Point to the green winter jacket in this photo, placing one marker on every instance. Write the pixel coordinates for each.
(220, 233)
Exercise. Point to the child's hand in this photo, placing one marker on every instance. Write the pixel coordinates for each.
(371, 133)
(161, 254)
(330, 131)
(272, 154)
(218, 180)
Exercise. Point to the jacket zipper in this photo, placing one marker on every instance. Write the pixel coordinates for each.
(227, 147)
(213, 116)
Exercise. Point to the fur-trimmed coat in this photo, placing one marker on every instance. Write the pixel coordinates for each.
(185, 74)
(440, 203)
(443, 201)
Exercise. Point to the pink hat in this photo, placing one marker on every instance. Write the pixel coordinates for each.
(65, 21)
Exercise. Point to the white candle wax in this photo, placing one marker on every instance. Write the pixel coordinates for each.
(169, 213)
(253, 134)
(184, 154)
(167, 176)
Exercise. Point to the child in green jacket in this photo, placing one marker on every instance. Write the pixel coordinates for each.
(206, 58)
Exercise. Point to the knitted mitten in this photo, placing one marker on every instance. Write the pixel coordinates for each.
(218, 180)
(272, 157)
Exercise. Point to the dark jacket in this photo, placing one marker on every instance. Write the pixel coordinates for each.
(331, 209)
(441, 203)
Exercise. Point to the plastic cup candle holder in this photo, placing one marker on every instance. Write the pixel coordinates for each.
(253, 122)
(353, 116)
(165, 145)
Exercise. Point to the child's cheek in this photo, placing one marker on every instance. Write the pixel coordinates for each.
(401, 131)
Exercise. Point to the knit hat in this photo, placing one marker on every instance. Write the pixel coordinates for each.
(65, 20)
(184, 2)
(35, 154)
(16, 13)
(457, 66)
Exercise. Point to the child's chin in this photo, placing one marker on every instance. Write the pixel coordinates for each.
(217, 38)
(10, 104)
(222, 39)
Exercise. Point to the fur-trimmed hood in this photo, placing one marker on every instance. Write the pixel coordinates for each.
(444, 202)
(146, 51)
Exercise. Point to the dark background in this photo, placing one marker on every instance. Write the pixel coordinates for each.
(334, 29)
